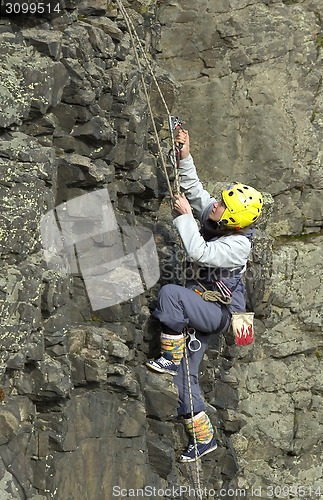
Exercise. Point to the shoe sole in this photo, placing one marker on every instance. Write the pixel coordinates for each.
(187, 460)
(160, 370)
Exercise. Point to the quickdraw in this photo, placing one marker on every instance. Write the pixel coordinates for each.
(174, 154)
(175, 123)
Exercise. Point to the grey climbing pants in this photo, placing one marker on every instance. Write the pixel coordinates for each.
(177, 308)
(180, 380)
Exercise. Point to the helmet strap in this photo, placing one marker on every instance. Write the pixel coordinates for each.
(221, 224)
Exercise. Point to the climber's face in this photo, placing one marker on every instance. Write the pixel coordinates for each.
(217, 211)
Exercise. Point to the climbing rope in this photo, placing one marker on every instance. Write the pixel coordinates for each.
(173, 122)
(134, 34)
(134, 37)
(213, 295)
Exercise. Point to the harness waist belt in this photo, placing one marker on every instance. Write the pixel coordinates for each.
(211, 273)
(209, 276)
(220, 273)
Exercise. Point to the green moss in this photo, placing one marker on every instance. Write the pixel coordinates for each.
(285, 240)
(96, 318)
(143, 7)
(319, 40)
(318, 354)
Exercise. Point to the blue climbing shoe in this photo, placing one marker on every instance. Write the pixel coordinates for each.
(202, 449)
(163, 365)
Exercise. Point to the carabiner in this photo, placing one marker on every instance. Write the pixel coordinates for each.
(174, 122)
(191, 332)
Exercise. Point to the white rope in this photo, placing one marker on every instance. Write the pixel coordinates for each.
(133, 34)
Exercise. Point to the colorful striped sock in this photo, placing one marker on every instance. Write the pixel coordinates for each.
(202, 426)
(174, 345)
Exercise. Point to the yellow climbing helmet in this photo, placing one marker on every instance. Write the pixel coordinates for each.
(243, 205)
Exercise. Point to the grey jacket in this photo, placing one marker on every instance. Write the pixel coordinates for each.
(230, 252)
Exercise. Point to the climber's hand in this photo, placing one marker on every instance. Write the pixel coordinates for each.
(182, 205)
(184, 139)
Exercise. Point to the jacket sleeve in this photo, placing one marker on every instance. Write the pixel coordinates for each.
(230, 251)
(200, 200)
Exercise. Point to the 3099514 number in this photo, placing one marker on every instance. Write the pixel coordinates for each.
(24, 8)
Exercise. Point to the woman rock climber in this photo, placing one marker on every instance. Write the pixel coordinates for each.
(219, 251)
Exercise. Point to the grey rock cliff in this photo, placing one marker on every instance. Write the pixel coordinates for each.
(251, 93)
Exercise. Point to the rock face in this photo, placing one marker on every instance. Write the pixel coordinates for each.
(79, 415)
(250, 93)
